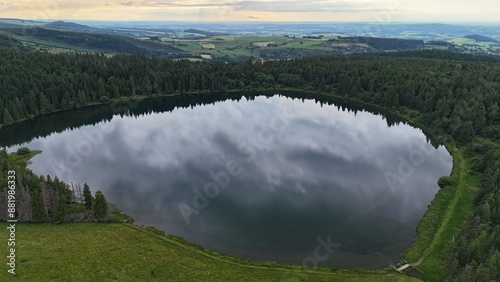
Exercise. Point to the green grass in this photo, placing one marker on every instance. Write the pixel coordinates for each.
(237, 46)
(436, 47)
(21, 161)
(481, 45)
(443, 220)
(463, 40)
(117, 252)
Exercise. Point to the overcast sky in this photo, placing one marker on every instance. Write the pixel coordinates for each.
(256, 10)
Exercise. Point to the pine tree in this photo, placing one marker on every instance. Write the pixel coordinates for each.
(38, 207)
(61, 208)
(44, 104)
(14, 112)
(101, 89)
(30, 103)
(116, 92)
(7, 117)
(81, 99)
(100, 207)
(4, 161)
(87, 196)
(131, 83)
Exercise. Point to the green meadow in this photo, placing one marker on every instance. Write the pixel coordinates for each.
(119, 252)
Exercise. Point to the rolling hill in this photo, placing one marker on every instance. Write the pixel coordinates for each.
(481, 38)
(89, 42)
(69, 26)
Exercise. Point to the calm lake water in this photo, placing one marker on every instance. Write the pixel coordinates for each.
(258, 177)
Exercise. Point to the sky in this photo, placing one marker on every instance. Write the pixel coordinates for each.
(383, 11)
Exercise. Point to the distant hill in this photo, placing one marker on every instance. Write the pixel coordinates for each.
(385, 43)
(481, 38)
(6, 41)
(206, 33)
(94, 42)
(70, 26)
(6, 22)
(62, 25)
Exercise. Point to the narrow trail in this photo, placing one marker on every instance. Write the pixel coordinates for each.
(214, 257)
(449, 212)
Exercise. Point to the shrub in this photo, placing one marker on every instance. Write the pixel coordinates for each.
(445, 181)
(23, 151)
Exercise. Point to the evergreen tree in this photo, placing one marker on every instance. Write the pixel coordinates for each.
(44, 104)
(101, 89)
(4, 161)
(116, 92)
(87, 196)
(7, 117)
(38, 207)
(61, 208)
(100, 207)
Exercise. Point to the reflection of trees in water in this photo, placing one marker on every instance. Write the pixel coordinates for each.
(57, 122)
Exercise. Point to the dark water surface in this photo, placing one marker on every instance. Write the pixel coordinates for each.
(263, 178)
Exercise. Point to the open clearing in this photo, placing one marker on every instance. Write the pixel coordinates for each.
(114, 251)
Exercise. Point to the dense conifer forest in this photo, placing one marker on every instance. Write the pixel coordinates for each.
(452, 95)
(456, 93)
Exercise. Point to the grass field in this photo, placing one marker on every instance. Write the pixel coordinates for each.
(462, 42)
(235, 46)
(117, 252)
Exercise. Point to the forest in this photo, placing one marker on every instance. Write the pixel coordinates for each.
(451, 94)
(475, 255)
(43, 199)
(456, 93)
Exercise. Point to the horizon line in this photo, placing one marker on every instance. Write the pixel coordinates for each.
(253, 21)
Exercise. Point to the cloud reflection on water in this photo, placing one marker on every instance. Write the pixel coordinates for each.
(323, 174)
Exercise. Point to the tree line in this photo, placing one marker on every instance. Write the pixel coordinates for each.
(474, 256)
(47, 199)
(459, 96)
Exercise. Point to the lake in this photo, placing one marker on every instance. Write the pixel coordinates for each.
(293, 179)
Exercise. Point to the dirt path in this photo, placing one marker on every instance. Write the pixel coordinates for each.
(288, 270)
(449, 211)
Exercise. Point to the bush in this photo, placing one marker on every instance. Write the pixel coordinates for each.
(445, 181)
(23, 151)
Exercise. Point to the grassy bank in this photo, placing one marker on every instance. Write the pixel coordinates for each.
(113, 251)
(20, 161)
(443, 220)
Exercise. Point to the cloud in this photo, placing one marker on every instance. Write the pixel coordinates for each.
(264, 5)
(306, 6)
(6, 6)
(176, 4)
(265, 10)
